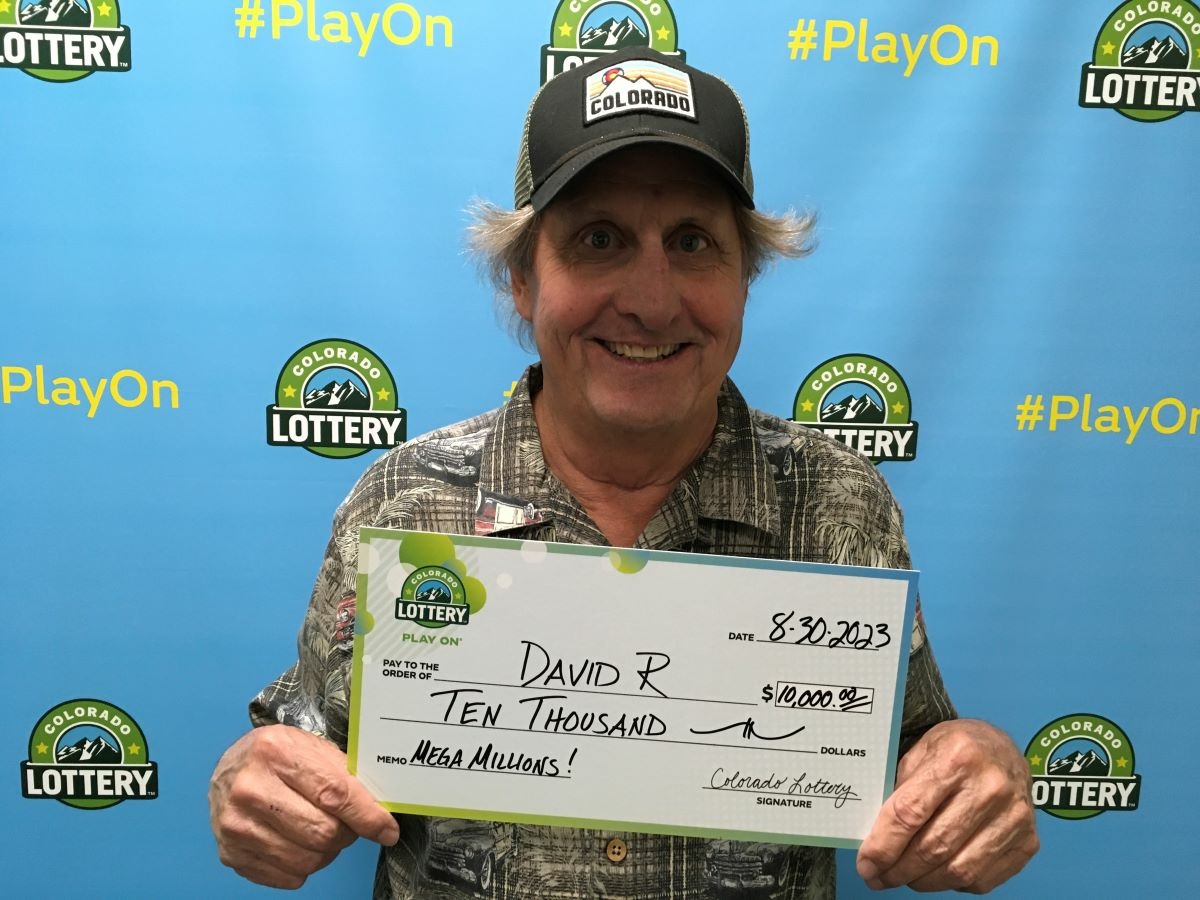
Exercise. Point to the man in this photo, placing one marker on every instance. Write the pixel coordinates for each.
(628, 260)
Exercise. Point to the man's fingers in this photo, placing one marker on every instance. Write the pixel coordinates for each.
(977, 873)
(275, 864)
(960, 818)
(902, 816)
(960, 839)
(264, 873)
(976, 814)
(317, 773)
(270, 877)
(295, 819)
(962, 879)
(283, 806)
(255, 847)
(347, 800)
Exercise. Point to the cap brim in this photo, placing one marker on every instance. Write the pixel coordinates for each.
(574, 165)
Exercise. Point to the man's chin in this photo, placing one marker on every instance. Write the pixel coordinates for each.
(642, 419)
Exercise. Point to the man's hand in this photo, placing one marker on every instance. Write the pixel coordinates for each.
(960, 818)
(282, 806)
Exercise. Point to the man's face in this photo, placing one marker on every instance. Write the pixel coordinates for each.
(636, 294)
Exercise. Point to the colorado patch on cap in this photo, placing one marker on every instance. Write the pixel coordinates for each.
(638, 85)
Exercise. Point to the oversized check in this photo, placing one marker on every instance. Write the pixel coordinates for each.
(675, 693)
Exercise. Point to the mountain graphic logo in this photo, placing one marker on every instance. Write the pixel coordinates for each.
(1082, 765)
(89, 754)
(614, 35)
(583, 30)
(63, 40)
(89, 750)
(861, 401)
(1145, 62)
(335, 398)
(64, 13)
(347, 394)
(433, 592)
(1160, 53)
(615, 80)
(865, 408)
(1079, 763)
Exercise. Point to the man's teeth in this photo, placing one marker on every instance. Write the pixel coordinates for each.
(637, 351)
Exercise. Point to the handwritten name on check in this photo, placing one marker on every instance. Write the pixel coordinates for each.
(673, 693)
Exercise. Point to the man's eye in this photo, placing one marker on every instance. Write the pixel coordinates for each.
(692, 242)
(598, 239)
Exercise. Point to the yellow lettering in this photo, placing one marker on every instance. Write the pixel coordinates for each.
(1108, 419)
(278, 22)
(1135, 425)
(862, 40)
(985, 41)
(1180, 411)
(911, 53)
(93, 396)
(447, 30)
(935, 45)
(337, 28)
(414, 18)
(365, 36)
(1056, 416)
(69, 396)
(833, 43)
(159, 386)
(884, 50)
(141, 386)
(8, 387)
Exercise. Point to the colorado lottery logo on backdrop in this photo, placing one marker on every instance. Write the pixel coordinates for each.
(862, 402)
(1146, 61)
(583, 30)
(88, 754)
(1082, 765)
(63, 40)
(337, 399)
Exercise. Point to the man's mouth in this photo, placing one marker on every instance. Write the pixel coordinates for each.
(650, 353)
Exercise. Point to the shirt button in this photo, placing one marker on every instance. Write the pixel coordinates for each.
(616, 850)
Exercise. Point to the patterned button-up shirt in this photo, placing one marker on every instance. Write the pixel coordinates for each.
(765, 487)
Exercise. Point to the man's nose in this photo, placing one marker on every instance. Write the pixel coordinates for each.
(648, 291)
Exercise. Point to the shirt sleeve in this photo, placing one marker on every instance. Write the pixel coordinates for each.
(314, 694)
(926, 701)
(860, 523)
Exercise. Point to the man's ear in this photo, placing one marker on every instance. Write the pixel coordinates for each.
(522, 291)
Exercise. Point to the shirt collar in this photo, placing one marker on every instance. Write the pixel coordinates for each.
(734, 477)
(731, 480)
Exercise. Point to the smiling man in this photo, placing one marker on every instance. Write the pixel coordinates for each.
(635, 303)
(626, 260)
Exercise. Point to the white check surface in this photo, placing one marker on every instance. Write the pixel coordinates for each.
(696, 695)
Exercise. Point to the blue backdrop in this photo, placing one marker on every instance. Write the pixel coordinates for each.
(240, 186)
